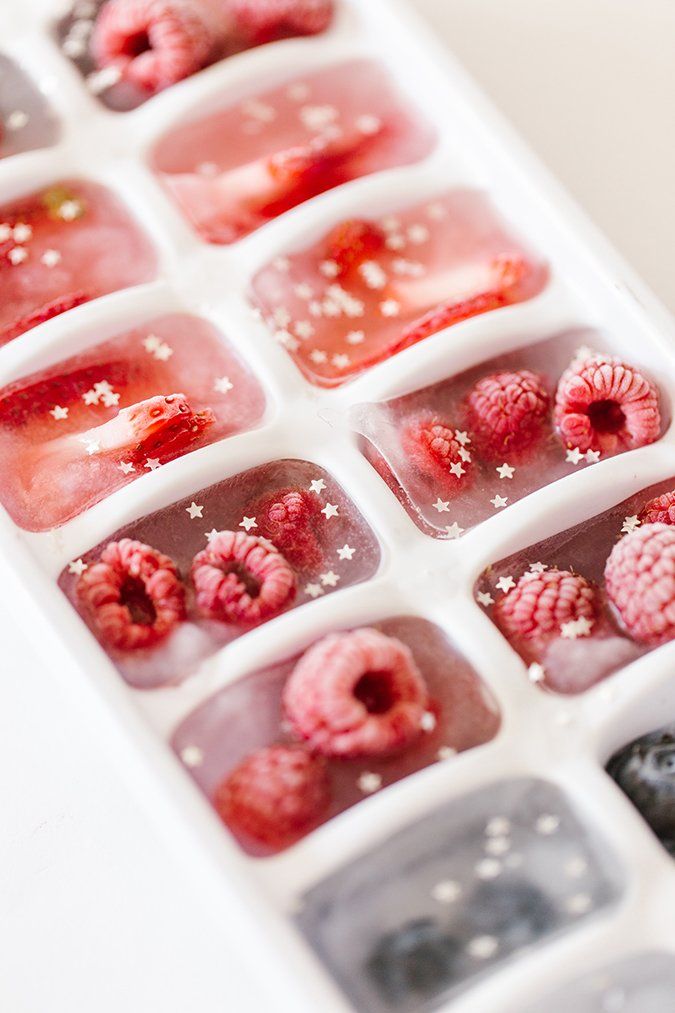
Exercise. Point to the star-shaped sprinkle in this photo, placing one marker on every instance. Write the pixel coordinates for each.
(390, 308)
(126, 467)
(213, 533)
(369, 782)
(457, 469)
(194, 510)
(17, 255)
(462, 437)
(538, 567)
(317, 356)
(248, 523)
(579, 904)
(192, 756)
(498, 826)
(464, 454)
(151, 343)
(536, 673)
(447, 891)
(488, 868)
(485, 599)
(547, 824)
(340, 361)
(428, 722)
(59, 413)
(505, 471)
(330, 510)
(356, 338)
(92, 447)
(22, 233)
(329, 579)
(16, 120)
(223, 384)
(446, 753)
(317, 485)
(91, 397)
(575, 628)
(499, 502)
(77, 567)
(70, 210)
(50, 258)
(152, 463)
(630, 524)
(592, 456)
(164, 353)
(505, 584)
(346, 552)
(443, 506)
(314, 590)
(453, 530)
(482, 947)
(110, 399)
(574, 456)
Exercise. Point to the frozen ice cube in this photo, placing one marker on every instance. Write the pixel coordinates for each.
(26, 122)
(645, 771)
(641, 984)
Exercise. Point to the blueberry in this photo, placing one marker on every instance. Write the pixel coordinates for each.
(514, 911)
(413, 962)
(645, 771)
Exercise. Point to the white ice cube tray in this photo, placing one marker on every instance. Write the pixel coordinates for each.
(564, 740)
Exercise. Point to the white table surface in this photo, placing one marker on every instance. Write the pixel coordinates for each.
(95, 916)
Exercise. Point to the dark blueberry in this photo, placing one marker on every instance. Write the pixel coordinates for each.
(645, 771)
(514, 911)
(413, 962)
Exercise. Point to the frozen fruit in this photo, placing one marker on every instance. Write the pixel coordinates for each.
(353, 243)
(43, 313)
(603, 404)
(640, 583)
(541, 604)
(434, 450)
(260, 21)
(241, 579)
(645, 771)
(413, 962)
(660, 510)
(289, 518)
(133, 596)
(516, 911)
(155, 43)
(356, 694)
(507, 412)
(275, 795)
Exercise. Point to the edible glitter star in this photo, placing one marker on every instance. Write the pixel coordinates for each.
(505, 471)
(126, 467)
(317, 485)
(330, 510)
(223, 384)
(329, 579)
(341, 361)
(443, 506)
(314, 590)
(152, 463)
(58, 413)
(483, 598)
(574, 456)
(428, 722)
(630, 524)
(77, 567)
(457, 469)
(536, 673)
(462, 437)
(213, 533)
(499, 501)
(248, 523)
(194, 511)
(505, 584)
(92, 447)
(346, 552)
(453, 530)
(369, 782)
(91, 397)
(50, 258)
(538, 567)
(592, 456)
(446, 891)
(576, 628)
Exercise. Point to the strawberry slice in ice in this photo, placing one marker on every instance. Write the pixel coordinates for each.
(369, 289)
(62, 246)
(247, 164)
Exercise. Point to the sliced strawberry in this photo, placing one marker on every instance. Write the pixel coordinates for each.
(161, 427)
(44, 313)
(24, 400)
(353, 242)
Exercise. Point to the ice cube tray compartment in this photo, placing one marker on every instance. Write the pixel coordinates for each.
(562, 741)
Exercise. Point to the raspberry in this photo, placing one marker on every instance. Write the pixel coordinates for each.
(603, 404)
(154, 43)
(541, 603)
(260, 21)
(659, 510)
(433, 449)
(275, 795)
(134, 595)
(288, 517)
(353, 242)
(42, 314)
(356, 694)
(240, 579)
(640, 583)
(507, 412)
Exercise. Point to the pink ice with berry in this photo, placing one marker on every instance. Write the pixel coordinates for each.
(369, 288)
(245, 551)
(81, 429)
(249, 162)
(63, 246)
(286, 748)
(466, 448)
(130, 50)
(582, 604)
(26, 121)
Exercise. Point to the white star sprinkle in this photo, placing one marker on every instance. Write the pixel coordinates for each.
(446, 891)
(70, 210)
(314, 590)
(499, 501)
(194, 511)
(151, 343)
(329, 579)
(126, 467)
(111, 399)
(340, 361)
(483, 947)
(192, 756)
(538, 567)
(248, 523)
(574, 456)
(488, 868)
(457, 469)
(576, 628)
(356, 338)
(77, 567)
(50, 258)
(505, 584)
(346, 552)
(369, 782)
(92, 447)
(16, 120)
(630, 524)
(505, 471)
(462, 437)
(536, 673)
(152, 464)
(464, 454)
(390, 308)
(498, 826)
(91, 397)
(222, 384)
(579, 904)
(592, 456)
(453, 530)
(428, 722)
(330, 510)
(443, 506)
(213, 533)
(317, 356)
(446, 753)
(317, 485)
(547, 824)
(22, 233)
(17, 255)
(497, 845)
(58, 412)
(483, 598)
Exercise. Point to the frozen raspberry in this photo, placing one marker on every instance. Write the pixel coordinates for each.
(353, 242)
(289, 518)
(541, 603)
(640, 583)
(240, 579)
(260, 21)
(42, 314)
(603, 404)
(154, 43)
(660, 510)
(507, 413)
(356, 694)
(134, 596)
(432, 448)
(275, 796)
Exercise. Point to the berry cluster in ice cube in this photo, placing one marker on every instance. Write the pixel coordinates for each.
(290, 746)
(645, 771)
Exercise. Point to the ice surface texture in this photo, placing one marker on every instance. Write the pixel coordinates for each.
(640, 984)
(248, 716)
(417, 918)
(26, 122)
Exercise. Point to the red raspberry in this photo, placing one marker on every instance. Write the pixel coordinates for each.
(541, 603)
(260, 21)
(42, 314)
(356, 694)
(134, 595)
(275, 796)
(154, 43)
(288, 518)
(507, 412)
(240, 579)
(640, 582)
(353, 242)
(603, 404)
(660, 510)
(433, 449)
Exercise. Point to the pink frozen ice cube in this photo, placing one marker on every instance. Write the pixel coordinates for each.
(61, 247)
(148, 395)
(370, 288)
(248, 716)
(248, 163)
(26, 122)
(304, 523)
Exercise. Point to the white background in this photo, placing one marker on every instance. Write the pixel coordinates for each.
(95, 916)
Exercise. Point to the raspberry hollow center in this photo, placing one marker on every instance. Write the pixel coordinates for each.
(606, 416)
(137, 44)
(137, 602)
(250, 583)
(374, 691)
